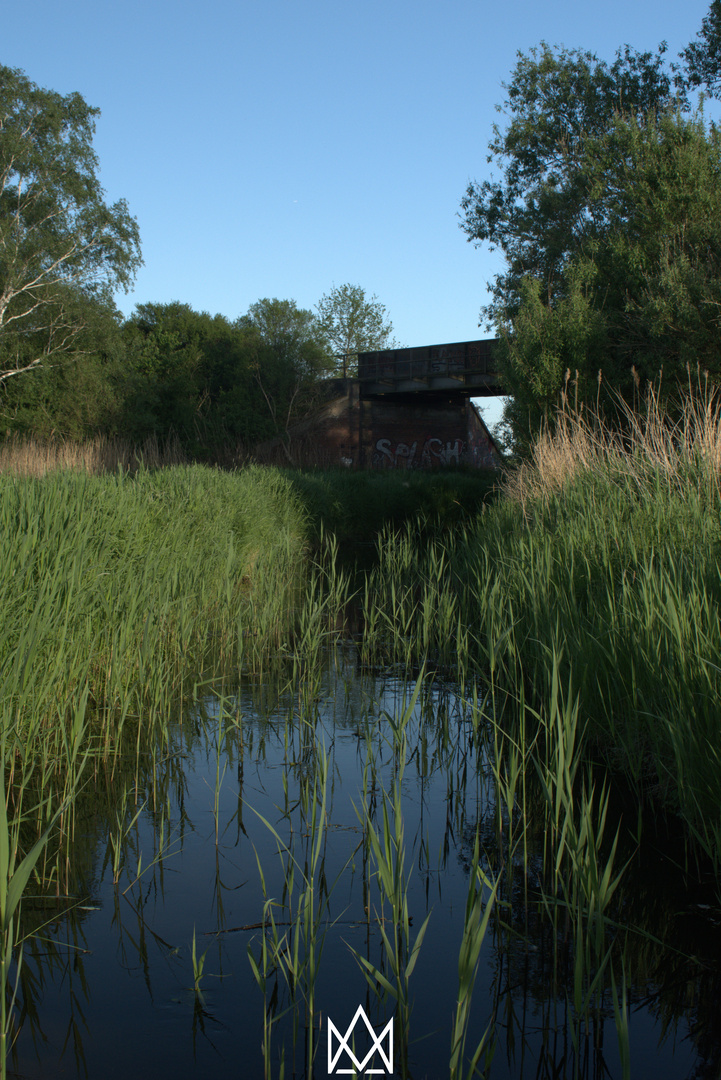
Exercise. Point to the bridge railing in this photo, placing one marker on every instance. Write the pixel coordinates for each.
(456, 360)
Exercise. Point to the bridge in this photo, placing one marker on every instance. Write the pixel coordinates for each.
(407, 409)
(464, 367)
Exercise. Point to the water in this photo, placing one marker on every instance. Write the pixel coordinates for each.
(108, 986)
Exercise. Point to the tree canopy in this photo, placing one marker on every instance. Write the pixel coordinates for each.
(607, 210)
(702, 58)
(353, 323)
(292, 358)
(59, 240)
(546, 203)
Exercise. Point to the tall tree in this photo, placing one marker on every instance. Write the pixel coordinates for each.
(292, 358)
(545, 207)
(58, 237)
(642, 295)
(353, 323)
(564, 197)
(702, 58)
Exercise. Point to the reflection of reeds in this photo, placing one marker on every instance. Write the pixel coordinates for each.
(305, 905)
(479, 905)
(387, 852)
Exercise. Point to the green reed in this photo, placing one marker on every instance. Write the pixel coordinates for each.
(387, 852)
(305, 907)
(479, 905)
(118, 592)
(616, 573)
(15, 873)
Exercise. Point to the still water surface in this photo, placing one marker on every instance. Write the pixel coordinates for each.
(108, 987)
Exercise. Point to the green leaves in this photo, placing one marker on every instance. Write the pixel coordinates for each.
(702, 57)
(607, 210)
(13, 880)
(558, 102)
(56, 231)
(353, 323)
(475, 925)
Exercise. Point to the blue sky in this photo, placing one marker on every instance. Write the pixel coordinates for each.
(276, 148)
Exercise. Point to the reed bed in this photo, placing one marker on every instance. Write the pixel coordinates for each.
(103, 454)
(682, 449)
(577, 618)
(121, 595)
(601, 564)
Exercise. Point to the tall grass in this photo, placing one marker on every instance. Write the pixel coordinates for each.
(120, 596)
(33, 457)
(606, 553)
(646, 446)
(586, 600)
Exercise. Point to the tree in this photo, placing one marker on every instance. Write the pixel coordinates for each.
(703, 57)
(353, 324)
(640, 296)
(67, 398)
(545, 207)
(292, 358)
(189, 373)
(294, 334)
(561, 195)
(58, 238)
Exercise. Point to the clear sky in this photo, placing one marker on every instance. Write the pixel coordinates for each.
(276, 148)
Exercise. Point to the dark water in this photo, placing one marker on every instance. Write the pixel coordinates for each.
(108, 986)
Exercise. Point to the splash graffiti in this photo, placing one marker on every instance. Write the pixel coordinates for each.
(433, 451)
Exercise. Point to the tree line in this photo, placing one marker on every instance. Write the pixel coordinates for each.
(170, 371)
(72, 366)
(606, 204)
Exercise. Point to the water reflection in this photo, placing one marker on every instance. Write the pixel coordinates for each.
(247, 830)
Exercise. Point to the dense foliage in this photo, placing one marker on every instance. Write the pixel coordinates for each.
(606, 210)
(217, 386)
(62, 248)
(353, 323)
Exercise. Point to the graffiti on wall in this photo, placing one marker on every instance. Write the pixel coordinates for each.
(418, 455)
(481, 453)
(432, 452)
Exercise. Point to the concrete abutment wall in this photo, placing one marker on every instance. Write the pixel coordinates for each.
(396, 431)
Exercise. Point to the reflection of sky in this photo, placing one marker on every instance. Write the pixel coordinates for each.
(138, 1010)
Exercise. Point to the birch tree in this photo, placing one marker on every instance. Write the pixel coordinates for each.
(58, 236)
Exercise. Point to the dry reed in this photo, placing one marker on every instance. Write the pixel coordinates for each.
(640, 444)
(33, 457)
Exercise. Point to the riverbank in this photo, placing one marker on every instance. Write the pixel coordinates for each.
(563, 636)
